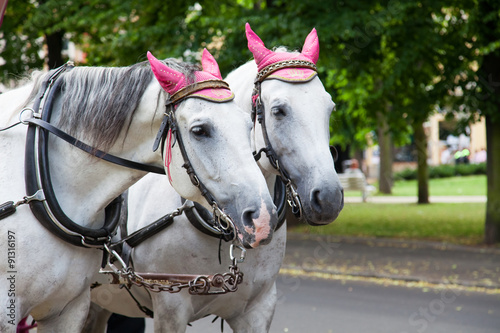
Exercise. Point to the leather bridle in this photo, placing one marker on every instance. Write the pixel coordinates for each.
(223, 223)
(258, 115)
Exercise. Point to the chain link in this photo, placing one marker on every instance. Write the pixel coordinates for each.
(200, 285)
(220, 283)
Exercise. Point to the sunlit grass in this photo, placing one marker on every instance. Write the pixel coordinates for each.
(455, 223)
(466, 185)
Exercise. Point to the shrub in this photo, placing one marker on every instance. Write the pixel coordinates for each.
(481, 169)
(406, 174)
(465, 169)
(445, 170)
(442, 171)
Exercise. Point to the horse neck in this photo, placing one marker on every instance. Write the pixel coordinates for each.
(85, 185)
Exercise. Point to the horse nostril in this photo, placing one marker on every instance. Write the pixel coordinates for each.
(316, 200)
(248, 217)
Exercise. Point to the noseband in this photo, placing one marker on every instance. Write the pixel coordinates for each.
(258, 114)
(224, 223)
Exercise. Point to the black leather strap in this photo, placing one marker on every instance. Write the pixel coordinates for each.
(199, 216)
(197, 212)
(92, 151)
(47, 210)
(148, 231)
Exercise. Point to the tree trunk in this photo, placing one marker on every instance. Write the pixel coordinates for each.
(489, 72)
(423, 169)
(385, 165)
(492, 225)
(55, 46)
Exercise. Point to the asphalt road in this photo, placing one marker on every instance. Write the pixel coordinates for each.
(327, 306)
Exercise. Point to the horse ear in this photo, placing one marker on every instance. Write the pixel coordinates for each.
(169, 78)
(256, 45)
(209, 64)
(311, 46)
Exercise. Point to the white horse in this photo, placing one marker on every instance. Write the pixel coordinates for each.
(119, 111)
(297, 109)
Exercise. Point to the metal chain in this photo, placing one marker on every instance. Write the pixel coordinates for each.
(200, 285)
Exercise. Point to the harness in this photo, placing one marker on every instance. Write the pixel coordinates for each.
(201, 219)
(41, 197)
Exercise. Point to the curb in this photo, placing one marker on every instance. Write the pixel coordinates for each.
(388, 280)
(356, 265)
(306, 272)
(394, 242)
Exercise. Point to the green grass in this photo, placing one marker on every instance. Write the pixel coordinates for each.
(452, 223)
(466, 185)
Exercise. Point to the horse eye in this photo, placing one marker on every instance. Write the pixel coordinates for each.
(278, 111)
(200, 131)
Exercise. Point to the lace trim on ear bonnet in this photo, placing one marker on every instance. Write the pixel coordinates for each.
(265, 57)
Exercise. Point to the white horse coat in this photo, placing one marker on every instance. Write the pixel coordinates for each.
(49, 278)
(298, 127)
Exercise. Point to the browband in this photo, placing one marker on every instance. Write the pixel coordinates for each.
(189, 90)
(268, 70)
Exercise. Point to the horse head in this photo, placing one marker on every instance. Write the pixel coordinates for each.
(297, 108)
(209, 137)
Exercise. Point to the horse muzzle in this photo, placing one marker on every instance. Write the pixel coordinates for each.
(256, 225)
(323, 206)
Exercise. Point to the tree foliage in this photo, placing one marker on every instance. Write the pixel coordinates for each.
(389, 58)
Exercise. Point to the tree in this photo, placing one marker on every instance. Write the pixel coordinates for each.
(477, 91)
(386, 63)
(19, 47)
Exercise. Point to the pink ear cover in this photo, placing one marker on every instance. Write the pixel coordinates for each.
(172, 81)
(209, 64)
(265, 57)
(169, 79)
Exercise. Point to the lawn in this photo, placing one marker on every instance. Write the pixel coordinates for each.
(452, 223)
(467, 185)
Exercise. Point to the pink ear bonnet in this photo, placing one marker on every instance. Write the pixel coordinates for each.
(265, 57)
(172, 81)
